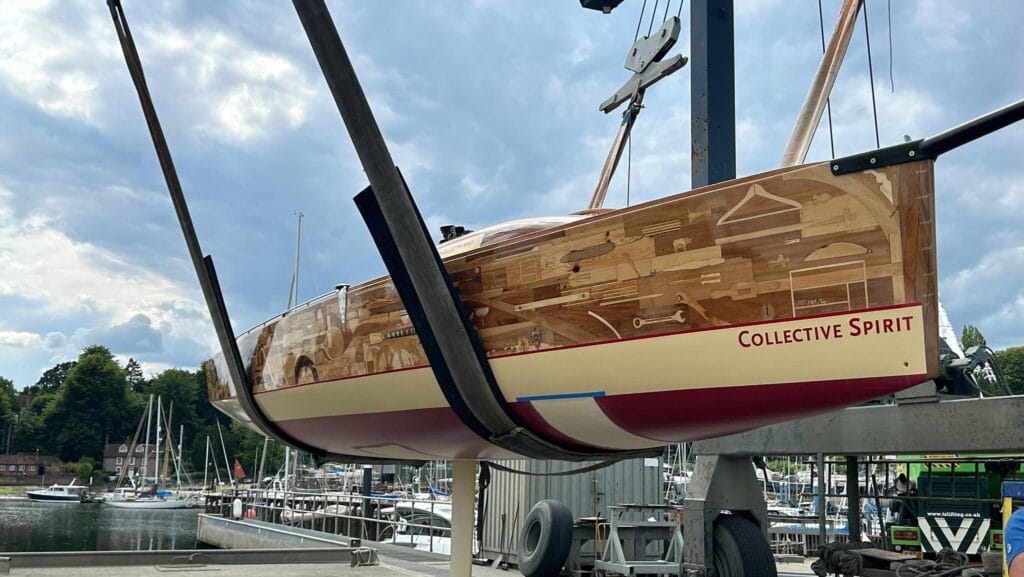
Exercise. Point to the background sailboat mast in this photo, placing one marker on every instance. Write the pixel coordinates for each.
(145, 443)
(156, 462)
(292, 297)
(168, 442)
(206, 463)
(223, 448)
(287, 464)
(177, 469)
(263, 460)
(293, 294)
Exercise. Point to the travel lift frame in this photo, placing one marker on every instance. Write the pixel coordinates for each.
(452, 347)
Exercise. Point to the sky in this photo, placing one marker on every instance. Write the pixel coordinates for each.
(490, 108)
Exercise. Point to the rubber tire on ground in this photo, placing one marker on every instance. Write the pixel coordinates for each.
(545, 539)
(741, 549)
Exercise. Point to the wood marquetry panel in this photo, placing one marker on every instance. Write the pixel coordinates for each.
(790, 243)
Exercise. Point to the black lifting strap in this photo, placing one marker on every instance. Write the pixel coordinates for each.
(205, 270)
(450, 342)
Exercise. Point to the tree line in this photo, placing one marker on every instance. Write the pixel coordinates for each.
(77, 407)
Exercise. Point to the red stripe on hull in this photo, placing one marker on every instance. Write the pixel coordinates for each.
(669, 416)
(690, 415)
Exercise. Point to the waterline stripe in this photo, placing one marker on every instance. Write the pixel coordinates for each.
(584, 395)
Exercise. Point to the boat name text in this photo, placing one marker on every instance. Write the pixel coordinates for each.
(854, 327)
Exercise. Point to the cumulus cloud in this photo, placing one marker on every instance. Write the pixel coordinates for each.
(41, 57)
(64, 59)
(24, 340)
(19, 339)
(247, 93)
(100, 295)
(136, 335)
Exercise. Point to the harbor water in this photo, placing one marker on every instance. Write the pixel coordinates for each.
(28, 526)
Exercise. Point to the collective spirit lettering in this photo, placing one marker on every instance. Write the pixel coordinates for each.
(854, 327)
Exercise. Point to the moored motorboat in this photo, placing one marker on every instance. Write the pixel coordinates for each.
(70, 493)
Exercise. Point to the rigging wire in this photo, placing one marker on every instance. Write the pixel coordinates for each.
(664, 16)
(892, 83)
(653, 12)
(629, 164)
(639, 21)
(828, 101)
(680, 11)
(871, 74)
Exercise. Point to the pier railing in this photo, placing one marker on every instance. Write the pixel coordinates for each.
(414, 521)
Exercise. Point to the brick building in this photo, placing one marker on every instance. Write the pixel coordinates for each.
(117, 459)
(25, 465)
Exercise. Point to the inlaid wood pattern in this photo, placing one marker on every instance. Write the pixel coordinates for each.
(790, 243)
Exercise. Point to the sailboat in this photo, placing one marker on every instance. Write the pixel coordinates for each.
(604, 333)
(150, 496)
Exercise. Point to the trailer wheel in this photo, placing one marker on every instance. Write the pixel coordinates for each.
(545, 539)
(741, 550)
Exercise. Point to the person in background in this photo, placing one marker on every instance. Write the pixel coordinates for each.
(1013, 543)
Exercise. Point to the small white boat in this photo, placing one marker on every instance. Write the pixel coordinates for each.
(151, 499)
(70, 493)
(421, 526)
(293, 516)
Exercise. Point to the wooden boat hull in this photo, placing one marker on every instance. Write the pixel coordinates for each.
(701, 314)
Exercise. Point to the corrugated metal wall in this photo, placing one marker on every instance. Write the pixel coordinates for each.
(510, 496)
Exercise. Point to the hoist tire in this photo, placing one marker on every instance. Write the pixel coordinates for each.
(741, 549)
(545, 539)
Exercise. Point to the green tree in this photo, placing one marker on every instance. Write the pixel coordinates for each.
(84, 468)
(205, 410)
(1011, 361)
(94, 405)
(971, 337)
(135, 377)
(180, 388)
(31, 434)
(8, 412)
(53, 379)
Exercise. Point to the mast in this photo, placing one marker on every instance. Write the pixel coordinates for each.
(287, 464)
(168, 442)
(263, 461)
(177, 469)
(293, 294)
(225, 450)
(612, 161)
(156, 463)
(206, 463)
(216, 469)
(145, 452)
(821, 86)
